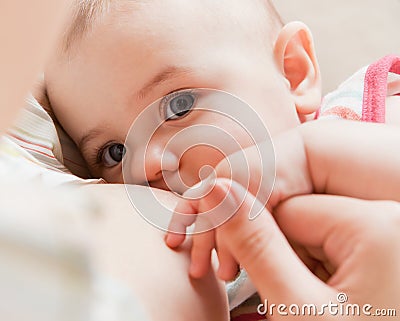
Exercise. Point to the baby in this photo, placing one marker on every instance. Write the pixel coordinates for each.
(120, 56)
(117, 57)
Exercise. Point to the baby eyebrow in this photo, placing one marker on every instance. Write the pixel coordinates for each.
(165, 75)
(86, 138)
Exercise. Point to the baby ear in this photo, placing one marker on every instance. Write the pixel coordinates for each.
(295, 57)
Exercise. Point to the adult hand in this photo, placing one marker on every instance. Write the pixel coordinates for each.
(351, 245)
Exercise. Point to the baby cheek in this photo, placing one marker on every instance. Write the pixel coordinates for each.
(112, 176)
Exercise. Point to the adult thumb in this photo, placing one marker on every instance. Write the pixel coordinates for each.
(261, 248)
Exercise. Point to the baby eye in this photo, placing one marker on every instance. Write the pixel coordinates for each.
(178, 105)
(113, 154)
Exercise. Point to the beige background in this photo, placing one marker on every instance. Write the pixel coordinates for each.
(348, 33)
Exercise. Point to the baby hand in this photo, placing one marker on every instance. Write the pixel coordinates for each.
(216, 217)
(254, 170)
(270, 174)
(209, 213)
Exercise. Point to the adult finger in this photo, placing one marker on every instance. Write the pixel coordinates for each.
(261, 248)
(329, 222)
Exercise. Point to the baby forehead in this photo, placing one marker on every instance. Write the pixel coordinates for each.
(207, 16)
(154, 19)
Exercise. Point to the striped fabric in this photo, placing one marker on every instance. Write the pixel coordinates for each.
(357, 97)
(32, 148)
(34, 132)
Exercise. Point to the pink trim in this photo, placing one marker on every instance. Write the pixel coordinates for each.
(342, 112)
(317, 113)
(375, 88)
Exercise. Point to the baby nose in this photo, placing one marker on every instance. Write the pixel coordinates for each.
(157, 161)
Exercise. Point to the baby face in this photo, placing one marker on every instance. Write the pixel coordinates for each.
(163, 51)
